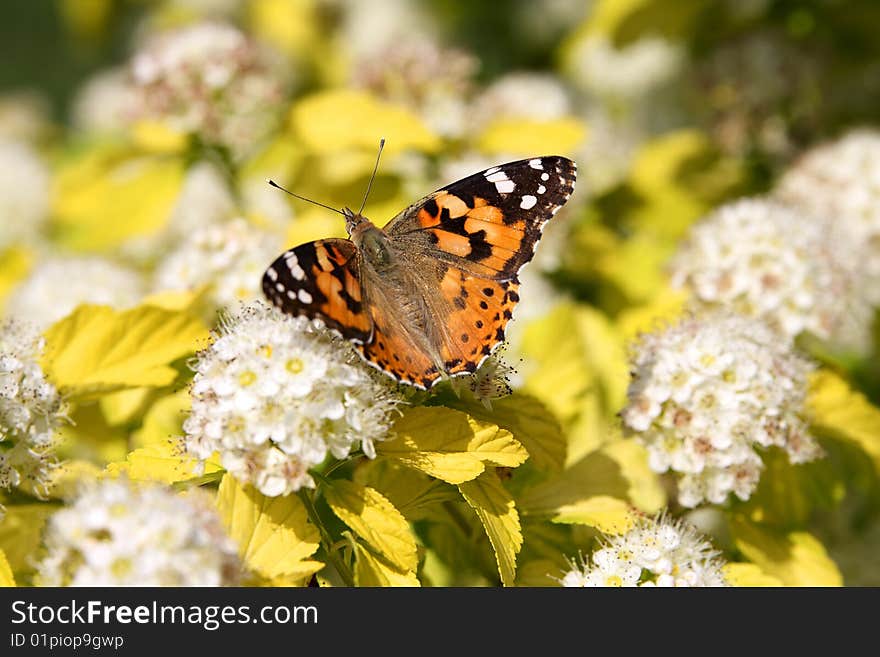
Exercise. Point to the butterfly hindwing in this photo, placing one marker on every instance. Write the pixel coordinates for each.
(489, 223)
(320, 280)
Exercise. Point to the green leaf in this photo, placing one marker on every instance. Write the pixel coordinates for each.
(838, 412)
(6, 577)
(748, 574)
(375, 520)
(607, 514)
(274, 535)
(539, 572)
(497, 512)
(162, 462)
(370, 570)
(450, 445)
(530, 422)
(96, 349)
(794, 558)
(164, 420)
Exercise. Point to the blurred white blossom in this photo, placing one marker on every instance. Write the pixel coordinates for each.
(105, 103)
(30, 410)
(228, 257)
(58, 284)
(538, 96)
(840, 181)
(707, 394)
(626, 72)
(213, 81)
(274, 395)
(117, 533)
(24, 193)
(763, 259)
(24, 116)
(656, 552)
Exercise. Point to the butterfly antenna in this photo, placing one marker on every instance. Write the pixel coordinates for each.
(375, 169)
(303, 198)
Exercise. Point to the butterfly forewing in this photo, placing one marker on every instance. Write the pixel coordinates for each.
(320, 280)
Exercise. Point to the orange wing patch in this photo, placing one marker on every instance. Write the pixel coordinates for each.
(481, 309)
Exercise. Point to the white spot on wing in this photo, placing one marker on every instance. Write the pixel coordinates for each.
(536, 164)
(528, 202)
(291, 294)
(279, 287)
(545, 176)
(272, 274)
(498, 176)
(489, 172)
(304, 296)
(541, 189)
(505, 186)
(297, 272)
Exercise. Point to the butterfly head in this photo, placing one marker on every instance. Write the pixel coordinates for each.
(355, 222)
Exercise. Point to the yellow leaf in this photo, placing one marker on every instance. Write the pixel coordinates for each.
(530, 422)
(109, 196)
(450, 445)
(187, 300)
(748, 574)
(369, 570)
(164, 420)
(497, 513)
(837, 411)
(158, 137)
(15, 263)
(162, 462)
(21, 534)
(375, 520)
(523, 136)
(539, 572)
(795, 558)
(97, 349)
(274, 535)
(663, 308)
(342, 119)
(290, 25)
(617, 470)
(125, 406)
(6, 577)
(607, 514)
(69, 476)
(413, 493)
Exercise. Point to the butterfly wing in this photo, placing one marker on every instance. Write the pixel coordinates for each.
(487, 224)
(469, 240)
(320, 280)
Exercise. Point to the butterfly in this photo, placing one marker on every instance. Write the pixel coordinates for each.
(428, 296)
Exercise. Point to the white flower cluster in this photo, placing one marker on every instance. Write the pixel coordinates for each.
(30, 410)
(24, 193)
(762, 259)
(628, 72)
(230, 257)
(520, 94)
(656, 552)
(59, 284)
(116, 533)
(211, 80)
(840, 181)
(274, 394)
(419, 74)
(105, 103)
(707, 393)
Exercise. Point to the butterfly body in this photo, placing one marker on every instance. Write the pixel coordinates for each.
(429, 295)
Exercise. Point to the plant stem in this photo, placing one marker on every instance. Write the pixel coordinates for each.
(343, 570)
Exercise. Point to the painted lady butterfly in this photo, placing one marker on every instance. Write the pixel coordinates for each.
(429, 295)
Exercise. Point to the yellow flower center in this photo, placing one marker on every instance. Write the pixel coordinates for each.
(613, 580)
(246, 378)
(120, 568)
(295, 366)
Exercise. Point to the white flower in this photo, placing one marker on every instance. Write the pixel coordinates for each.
(57, 285)
(24, 115)
(628, 72)
(656, 552)
(117, 533)
(213, 81)
(763, 259)
(105, 103)
(275, 394)
(527, 95)
(230, 257)
(24, 193)
(417, 73)
(840, 181)
(30, 410)
(707, 393)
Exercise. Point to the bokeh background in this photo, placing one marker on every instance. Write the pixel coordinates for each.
(136, 138)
